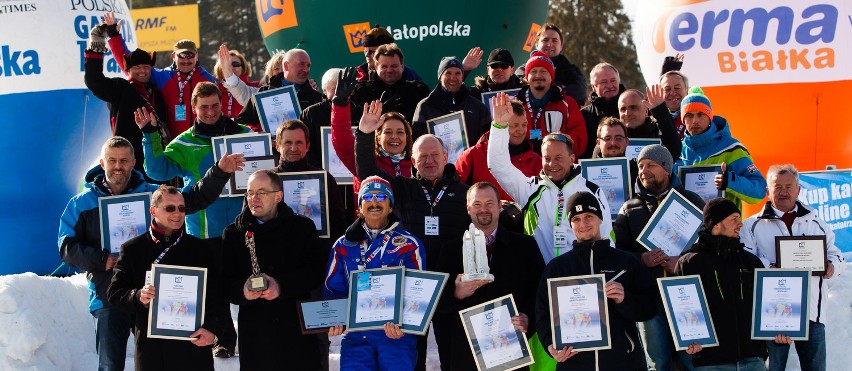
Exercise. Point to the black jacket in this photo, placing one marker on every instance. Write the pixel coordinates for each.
(639, 304)
(136, 258)
(289, 251)
(306, 94)
(401, 97)
(477, 119)
(597, 109)
(568, 76)
(727, 274)
(484, 84)
(516, 264)
(636, 213)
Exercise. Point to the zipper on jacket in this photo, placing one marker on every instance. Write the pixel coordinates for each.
(719, 284)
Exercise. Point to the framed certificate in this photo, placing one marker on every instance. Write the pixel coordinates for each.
(420, 294)
(177, 309)
(486, 96)
(219, 151)
(687, 311)
(780, 303)
(494, 341)
(250, 144)
(613, 176)
(635, 146)
(316, 316)
(306, 192)
(331, 162)
(673, 227)
(375, 298)
(700, 179)
(801, 252)
(122, 218)
(276, 106)
(452, 130)
(239, 180)
(579, 312)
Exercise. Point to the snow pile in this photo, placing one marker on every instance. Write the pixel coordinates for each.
(45, 325)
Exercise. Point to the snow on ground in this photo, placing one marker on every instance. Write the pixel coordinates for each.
(45, 325)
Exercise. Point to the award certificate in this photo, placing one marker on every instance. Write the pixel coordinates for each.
(579, 312)
(780, 303)
(331, 162)
(613, 176)
(452, 130)
(122, 218)
(636, 144)
(801, 252)
(494, 341)
(239, 180)
(700, 179)
(687, 312)
(218, 151)
(421, 291)
(276, 106)
(486, 97)
(673, 226)
(306, 192)
(316, 316)
(375, 298)
(177, 309)
(250, 145)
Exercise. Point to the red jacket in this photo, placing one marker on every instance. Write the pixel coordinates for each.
(343, 142)
(560, 113)
(230, 106)
(472, 165)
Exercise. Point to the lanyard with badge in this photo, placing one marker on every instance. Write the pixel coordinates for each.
(535, 133)
(230, 105)
(180, 109)
(560, 230)
(148, 280)
(430, 227)
(363, 277)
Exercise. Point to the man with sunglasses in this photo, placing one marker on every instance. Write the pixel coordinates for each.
(80, 235)
(269, 239)
(500, 74)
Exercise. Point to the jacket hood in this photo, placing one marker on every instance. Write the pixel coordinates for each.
(717, 131)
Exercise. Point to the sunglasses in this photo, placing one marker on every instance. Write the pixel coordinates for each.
(374, 197)
(236, 64)
(172, 208)
(186, 55)
(501, 66)
(558, 136)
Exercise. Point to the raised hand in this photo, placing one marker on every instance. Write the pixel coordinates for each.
(143, 117)
(345, 86)
(501, 109)
(231, 163)
(370, 121)
(721, 180)
(472, 59)
(225, 61)
(655, 96)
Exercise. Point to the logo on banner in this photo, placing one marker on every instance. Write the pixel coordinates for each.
(529, 44)
(275, 15)
(355, 34)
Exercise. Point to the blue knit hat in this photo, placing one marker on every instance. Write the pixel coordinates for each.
(696, 101)
(375, 183)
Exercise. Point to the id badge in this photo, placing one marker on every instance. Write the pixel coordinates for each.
(560, 239)
(180, 112)
(148, 279)
(431, 226)
(363, 281)
(535, 134)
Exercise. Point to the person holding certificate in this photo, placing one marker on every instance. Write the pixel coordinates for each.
(632, 295)
(784, 215)
(375, 240)
(80, 238)
(272, 259)
(655, 182)
(727, 274)
(167, 243)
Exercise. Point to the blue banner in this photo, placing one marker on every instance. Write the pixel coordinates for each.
(830, 193)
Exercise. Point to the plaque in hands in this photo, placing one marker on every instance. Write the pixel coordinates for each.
(475, 256)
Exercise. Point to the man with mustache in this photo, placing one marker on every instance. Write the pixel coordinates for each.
(80, 235)
(567, 76)
(549, 110)
(603, 102)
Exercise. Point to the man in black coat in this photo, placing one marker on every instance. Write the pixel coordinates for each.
(387, 84)
(603, 101)
(499, 74)
(289, 256)
(568, 76)
(514, 261)
(167, 243)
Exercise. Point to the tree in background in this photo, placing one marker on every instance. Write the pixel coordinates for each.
(597, 31)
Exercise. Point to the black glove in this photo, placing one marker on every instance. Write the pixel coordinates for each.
(671, 63)
(97, 40)
(345, 86)
(726, 176)
(112, 30)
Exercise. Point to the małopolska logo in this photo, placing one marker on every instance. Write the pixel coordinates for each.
(275, 15)
(355, 34)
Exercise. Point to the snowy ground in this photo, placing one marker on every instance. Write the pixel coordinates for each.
(45, 325)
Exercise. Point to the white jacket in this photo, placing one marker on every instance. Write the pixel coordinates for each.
(758, 235)
(539, 195)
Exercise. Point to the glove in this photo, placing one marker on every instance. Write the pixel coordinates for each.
(345, 86)
(672, 63)
(97, 40)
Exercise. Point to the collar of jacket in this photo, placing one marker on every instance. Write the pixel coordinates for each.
(555, 94)
(450, 176)
(223, 126)
(573, 173)
(642, 192)
(246, 222)
(356, 232)
(768, 213)
(601, 248)
(95, 180)
(161, 239)
(648, 129)
(717, 130)
(720, 245)
(292, 166)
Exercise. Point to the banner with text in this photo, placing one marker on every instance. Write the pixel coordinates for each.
(158, 29)
(830, 193)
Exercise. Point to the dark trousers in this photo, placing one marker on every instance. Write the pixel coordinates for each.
(228, 339)
(442, 327)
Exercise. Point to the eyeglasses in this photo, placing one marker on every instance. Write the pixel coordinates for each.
(617, 138)
(251, 194)
(172, 208)
(236, 64)
(380, 197)
(186, 55)
(499, 65)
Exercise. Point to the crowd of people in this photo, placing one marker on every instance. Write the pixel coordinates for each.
(518, 182)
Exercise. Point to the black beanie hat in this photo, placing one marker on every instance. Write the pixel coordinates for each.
(583, 202)
(717, 210)
(138, 57)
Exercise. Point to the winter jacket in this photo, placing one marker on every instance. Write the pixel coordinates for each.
(637, 211)
(364, 73)
(231, 106)
(166, 81)
(305, 93)
(241, 91)
(477, 119)
(316, 116)
(540, 196)
(758, 235)
(727, 274)
(187, 156)
(124, 96)
(484, 84)
(516, 265)
(598, 109)
(559, 113)
(568, 77)
(401, 97)
(288, 250)
(659, 125)
(135, 260)
(715, 146)
(80, 228)
(639, 304)
(472, 165)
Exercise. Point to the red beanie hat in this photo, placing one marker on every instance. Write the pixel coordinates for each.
(539, 59)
